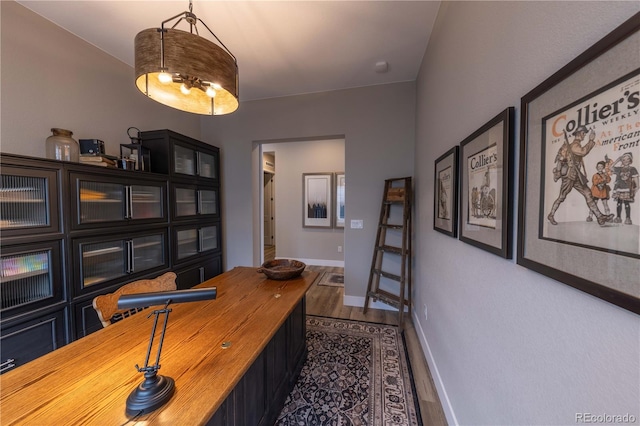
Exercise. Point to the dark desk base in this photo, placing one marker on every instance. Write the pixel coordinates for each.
(260, 395)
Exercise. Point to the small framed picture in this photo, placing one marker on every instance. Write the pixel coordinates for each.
(486, 201)
(317, 201)
(445, 202)
(339, 199)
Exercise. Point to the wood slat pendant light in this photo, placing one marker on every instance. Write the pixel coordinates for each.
(186, 71)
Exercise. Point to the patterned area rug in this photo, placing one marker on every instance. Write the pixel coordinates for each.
(332, 279)
(356, 373)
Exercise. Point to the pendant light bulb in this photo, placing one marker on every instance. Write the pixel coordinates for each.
(184, 89)
(165, 77)
(211, 92)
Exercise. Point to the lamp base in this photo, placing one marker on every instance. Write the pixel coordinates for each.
(152, 393)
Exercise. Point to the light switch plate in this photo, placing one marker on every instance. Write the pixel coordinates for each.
(356, 224)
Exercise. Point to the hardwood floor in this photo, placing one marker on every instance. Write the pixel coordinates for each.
(327, 301)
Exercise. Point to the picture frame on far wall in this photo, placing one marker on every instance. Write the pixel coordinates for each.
(339, 201)
(579, 204)
(317, 205)
(486, 180)
(445, 193)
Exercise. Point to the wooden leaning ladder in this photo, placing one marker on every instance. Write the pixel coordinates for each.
(397, 193)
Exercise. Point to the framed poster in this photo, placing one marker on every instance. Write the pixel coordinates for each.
(579, 213)
(445, 199)
(486, 203)
(317, 200)
(338, 202)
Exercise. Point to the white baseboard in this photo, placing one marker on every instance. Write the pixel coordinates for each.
(320, 262)
(442, 393)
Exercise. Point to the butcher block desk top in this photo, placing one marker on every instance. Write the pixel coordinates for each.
(89, 380)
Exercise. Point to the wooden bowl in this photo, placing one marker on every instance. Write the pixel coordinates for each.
(282, 269)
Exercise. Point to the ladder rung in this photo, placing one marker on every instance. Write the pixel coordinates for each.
(395, 194)
(390, 249)
(390, 226)
(388, 298)
(388, 275)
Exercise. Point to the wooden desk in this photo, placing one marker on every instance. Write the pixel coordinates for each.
(88, 381)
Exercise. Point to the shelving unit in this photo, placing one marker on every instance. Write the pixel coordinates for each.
(73, 231)
(193, 169)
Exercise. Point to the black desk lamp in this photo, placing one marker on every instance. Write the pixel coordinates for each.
(156, 390)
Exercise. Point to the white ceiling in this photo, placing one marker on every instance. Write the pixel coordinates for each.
(282, 47)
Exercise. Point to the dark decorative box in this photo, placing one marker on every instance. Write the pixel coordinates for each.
(91, 146)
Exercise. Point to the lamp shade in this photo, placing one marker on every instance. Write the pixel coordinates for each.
(191, 60)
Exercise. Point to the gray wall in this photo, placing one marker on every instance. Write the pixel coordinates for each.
(508, 345)
(316, 246)
(378, 127)
(51, 78)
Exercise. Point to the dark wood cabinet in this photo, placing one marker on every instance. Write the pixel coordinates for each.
(31, 339)
(73, 231)
(193, 168)
(181, 156)
(197, 272)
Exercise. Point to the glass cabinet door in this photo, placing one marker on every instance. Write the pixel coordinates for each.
(208, 202)
(28, 201)
(30, 276)
(207, 165)
(146, 202)
(102, 202)
(186, 202)
(184, 160)
(103, 261)
(147, 252)
(208, 238)
(187, 243)
(25, 278)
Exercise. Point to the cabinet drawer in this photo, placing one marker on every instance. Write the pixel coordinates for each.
(86, 319)
(25, 342)
(198, 272)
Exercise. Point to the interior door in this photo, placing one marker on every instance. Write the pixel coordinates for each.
(269, 209)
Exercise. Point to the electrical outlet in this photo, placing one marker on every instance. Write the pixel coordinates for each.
(339, 249)
(425, 311)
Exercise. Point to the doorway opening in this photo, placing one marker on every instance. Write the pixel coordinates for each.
(269, 211)
(278, 207)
